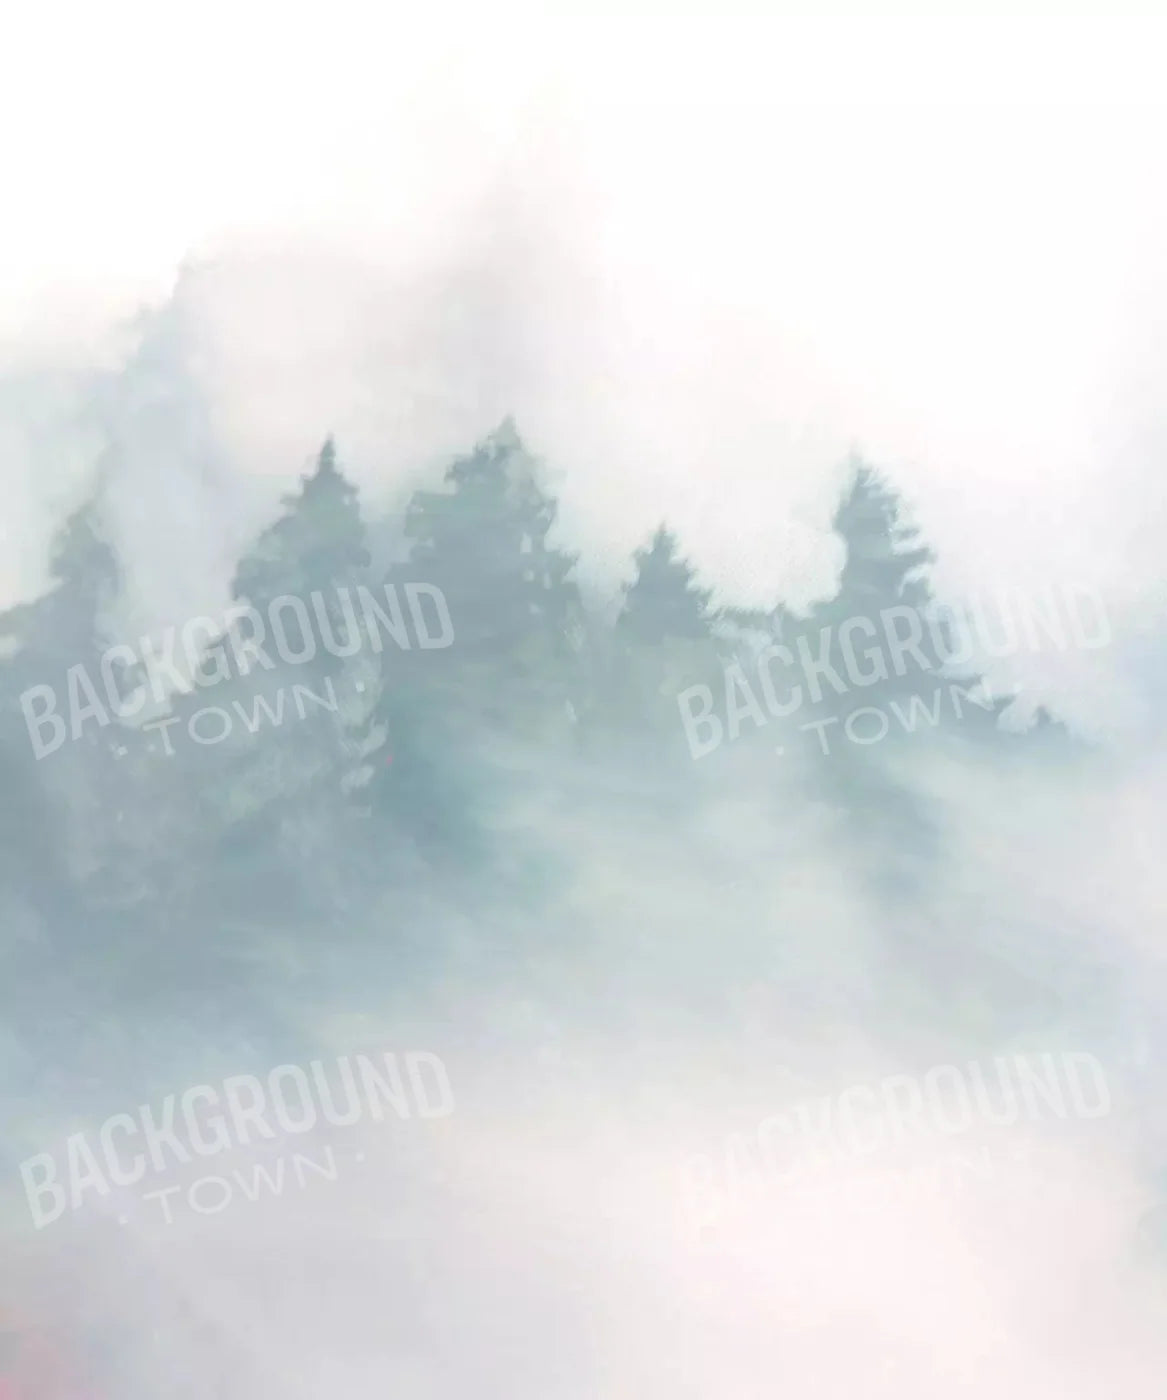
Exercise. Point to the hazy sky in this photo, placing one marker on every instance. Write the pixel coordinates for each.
(700, 262)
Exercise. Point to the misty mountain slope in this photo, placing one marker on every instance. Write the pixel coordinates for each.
(533, 794)
(479, 752)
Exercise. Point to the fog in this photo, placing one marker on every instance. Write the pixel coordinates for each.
(701, 264)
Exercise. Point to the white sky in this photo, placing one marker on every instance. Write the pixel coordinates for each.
(736, 247)
(130, 131)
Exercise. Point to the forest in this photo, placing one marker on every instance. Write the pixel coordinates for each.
(192, 868)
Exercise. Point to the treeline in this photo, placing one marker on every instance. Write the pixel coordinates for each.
(149, 857)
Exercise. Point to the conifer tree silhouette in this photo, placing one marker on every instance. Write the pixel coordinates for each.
(513, 671)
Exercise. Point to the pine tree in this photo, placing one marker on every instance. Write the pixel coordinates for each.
(663, 603)
(462, 718)
(302, 729)
(885, 559)
(317, 553)
(59, 640)
(665, 640)
(65, 623)
(865, 760)
(77, 835)
(484, 542)
(318, 543)
(886, 568)
(514, 611)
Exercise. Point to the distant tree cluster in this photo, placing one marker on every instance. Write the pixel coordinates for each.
(124, 866)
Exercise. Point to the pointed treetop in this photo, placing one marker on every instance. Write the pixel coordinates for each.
(326, 482)
(500, 464)
(319, 541)
(80, 550)
(326, 462)
(505, 437)
(884, 555)
(664, 599)
(663, 543)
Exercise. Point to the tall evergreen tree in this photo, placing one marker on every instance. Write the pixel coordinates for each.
(916, 714)
(317, 552)
(885, 559)
(59, 640)
(302, 729)
(896, 661)
(76, 835)
(665, 639)
(318, 543)
(663, 603)
(512, 672)
(484, 542)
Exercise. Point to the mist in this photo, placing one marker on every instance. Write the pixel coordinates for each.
(684, 273)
